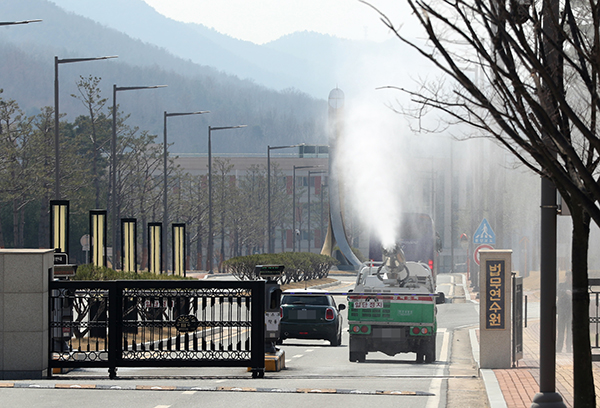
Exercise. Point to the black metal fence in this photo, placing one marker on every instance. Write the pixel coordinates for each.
(594, 292)
(517, 319)
(157, 324)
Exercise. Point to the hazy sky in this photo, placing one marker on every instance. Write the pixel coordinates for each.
(261, 21)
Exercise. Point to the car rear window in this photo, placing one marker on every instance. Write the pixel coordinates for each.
(305, 300)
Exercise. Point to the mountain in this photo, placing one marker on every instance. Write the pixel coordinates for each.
(26, 75)
(271, 67)
(309, 62)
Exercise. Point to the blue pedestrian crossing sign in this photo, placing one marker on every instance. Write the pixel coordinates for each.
(484, 234)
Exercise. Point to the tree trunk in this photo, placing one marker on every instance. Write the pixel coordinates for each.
(22, 227)
(44, 225)
(15, 213)
(584, 393)
(199, 250)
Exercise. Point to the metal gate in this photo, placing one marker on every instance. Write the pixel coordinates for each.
(157, 324)
(517, 319)
(594, 293)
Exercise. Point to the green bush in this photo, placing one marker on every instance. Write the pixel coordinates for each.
(299, 266)
(90, 272)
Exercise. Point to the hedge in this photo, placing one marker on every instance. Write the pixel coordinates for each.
(89, 272)
(299, 266)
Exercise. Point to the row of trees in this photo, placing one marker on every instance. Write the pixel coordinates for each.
(27, 164)
(537, 96)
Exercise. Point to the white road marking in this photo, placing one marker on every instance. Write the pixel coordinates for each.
(435, 386)
(189, 392)
(298, 356)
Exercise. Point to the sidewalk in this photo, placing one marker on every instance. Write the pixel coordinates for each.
(517, 386)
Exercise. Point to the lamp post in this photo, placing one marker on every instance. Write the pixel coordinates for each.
(308, 227)
(210, 218)
(270, 246)
(165, 155)
(58, 61)
(114, 159)
(6, 23)
(294, 205)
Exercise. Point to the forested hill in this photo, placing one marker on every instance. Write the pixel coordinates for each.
(27, 76)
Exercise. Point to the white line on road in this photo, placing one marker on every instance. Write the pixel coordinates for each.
(435, 387)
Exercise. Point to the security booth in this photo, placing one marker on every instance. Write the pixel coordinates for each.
(62, 270)
(271, 273)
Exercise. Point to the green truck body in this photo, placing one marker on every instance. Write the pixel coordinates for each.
(393, 315)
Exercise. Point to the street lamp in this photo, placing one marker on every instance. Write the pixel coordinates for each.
(6, 23)
(210, 218)
(308, 227)
(114, 159)
(165, 154)
(294, 204)
(270, 247)
(58, 61)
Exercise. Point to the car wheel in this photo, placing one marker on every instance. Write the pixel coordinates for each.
(337, 341)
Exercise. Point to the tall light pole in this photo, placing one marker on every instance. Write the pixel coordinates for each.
(210, 218)
(6, 23)
(270, 246)
(308, 227)
(113, 160)
(165, 155)
(58, 61)
(294, 204)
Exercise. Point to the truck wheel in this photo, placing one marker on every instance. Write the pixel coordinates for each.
(430, 351)
(419, 356)
(357, 356)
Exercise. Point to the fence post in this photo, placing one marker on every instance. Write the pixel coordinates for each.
(258, 332)
(115, 321)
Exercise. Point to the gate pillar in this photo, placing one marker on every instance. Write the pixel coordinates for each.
(24, 325)
(495, 334)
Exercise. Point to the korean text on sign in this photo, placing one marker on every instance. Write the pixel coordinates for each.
(495, 313)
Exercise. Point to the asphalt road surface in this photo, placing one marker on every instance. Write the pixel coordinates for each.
(316, 373)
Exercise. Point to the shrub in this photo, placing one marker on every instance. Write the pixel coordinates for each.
(90, 272)
(299, 266)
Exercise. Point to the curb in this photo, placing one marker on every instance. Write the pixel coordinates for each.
(492, 387)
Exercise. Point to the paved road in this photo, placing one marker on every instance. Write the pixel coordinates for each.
(316, 373)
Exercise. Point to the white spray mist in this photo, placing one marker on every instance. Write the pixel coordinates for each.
(370, 158)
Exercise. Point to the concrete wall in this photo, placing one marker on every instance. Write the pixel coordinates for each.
(24, 278)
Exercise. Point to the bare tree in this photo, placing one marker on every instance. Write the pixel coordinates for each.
(537, 97)
(89, 95)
